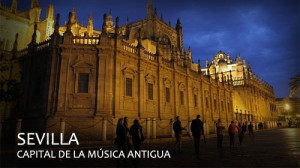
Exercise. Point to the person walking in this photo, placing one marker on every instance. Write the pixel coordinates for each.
(121, 136)
(241, 133)
(120, 139)
(220, 129)
(178, 129)
(136, 132)
(231, 131)
(250, 130)
(127, 140)
(197, 131)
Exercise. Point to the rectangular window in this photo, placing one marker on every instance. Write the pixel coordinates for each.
(167, 94)
(181, 98)
(83, 83)
(206, 102)
(215, 103)
(150, 91)
(195, 100)
(129, 87)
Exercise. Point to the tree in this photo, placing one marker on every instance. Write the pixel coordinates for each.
(294, 84)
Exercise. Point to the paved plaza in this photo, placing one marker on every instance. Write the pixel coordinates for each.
(269, 148)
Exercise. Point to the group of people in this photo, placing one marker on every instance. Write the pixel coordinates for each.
(124, 132)
(196, 129)
(232, 130)
(136, 132)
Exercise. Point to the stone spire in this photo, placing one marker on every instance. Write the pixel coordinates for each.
(155, 13)
(169, 22)
(199, 66)
(117, 29)
(179, 35)
(50, 12)
(56, 26)
(14, 6)
(35, 3)
(127, 21)
(90, 26)
(69, 24)
(189, 53)
(149, 9)
(104, 25)
(68, 35)
(161, 17)
(249, 67)
(109, 22)
(74, 18)
(33, 39)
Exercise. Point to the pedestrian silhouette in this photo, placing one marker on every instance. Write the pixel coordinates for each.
(197, 131)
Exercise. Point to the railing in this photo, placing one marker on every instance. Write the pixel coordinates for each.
(85, 40)
(128, 47)
(150, 56)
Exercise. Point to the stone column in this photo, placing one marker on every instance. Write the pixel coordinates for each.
(171, 128)
(104, 129)
(153, 128)
(62, 127)
(148, 128)
(18, 128)
(114, 121)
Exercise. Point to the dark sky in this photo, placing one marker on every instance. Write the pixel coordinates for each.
(265, 32)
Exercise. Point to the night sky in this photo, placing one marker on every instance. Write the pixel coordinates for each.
(265, 32)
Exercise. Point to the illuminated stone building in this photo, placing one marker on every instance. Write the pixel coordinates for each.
(253, 99)
(82, 80)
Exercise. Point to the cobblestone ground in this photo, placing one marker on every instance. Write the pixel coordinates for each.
(269, 148)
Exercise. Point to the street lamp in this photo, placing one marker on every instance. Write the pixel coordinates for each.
(287, 107)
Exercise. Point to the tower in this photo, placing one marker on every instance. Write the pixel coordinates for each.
(90, 26)
(35, 4)
(35, 11)
(49, 21)
(110, 23)
(74, 18)
(149, 9)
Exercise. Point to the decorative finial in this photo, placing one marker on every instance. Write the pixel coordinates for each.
(155, 12)
(56, 27)
(69, 22)
(33, 40)
(104, 24)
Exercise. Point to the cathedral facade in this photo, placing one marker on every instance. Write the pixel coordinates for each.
(82, 80)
